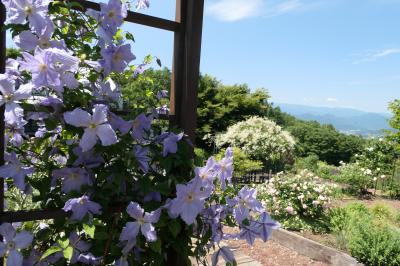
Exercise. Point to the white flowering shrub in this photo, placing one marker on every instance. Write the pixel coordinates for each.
(299, 201)
(261, 139)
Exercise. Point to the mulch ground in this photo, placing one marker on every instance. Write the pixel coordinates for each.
(271, 253)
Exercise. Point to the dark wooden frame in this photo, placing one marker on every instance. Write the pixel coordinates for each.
(187, 29)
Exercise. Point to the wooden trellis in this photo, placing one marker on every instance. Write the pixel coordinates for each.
(187, 29)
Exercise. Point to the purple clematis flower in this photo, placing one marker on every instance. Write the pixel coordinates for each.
(170, 143)
(12, 66)
(224, 168)
(265, 225)
(162, 94)
(142, 4)
(96, 126)
(53, 102)
(141, 124)
(117, 123)
(81, 206)
(52, 67)
(189, 201)
(116, 58)
(15, 132)
(144, 224)
(13, 243)
(139, 69)
(88, 159)
(249, 233)
(226, 254)
(11, 97)
(78, 245)
(111, 16)
(28, 41)
(16, 171)
(72, 178)
(245, 201)
(41, 65)
(141, 155)
(206, 173)
(35, 11)
(105, 91)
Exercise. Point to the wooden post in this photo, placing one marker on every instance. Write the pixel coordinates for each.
(2, 70)
(186, 65)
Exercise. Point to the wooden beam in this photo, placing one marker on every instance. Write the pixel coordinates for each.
(32, 215)
(135, 17)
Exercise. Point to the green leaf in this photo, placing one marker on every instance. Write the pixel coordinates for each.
(89, 230)
(174, 227)
(129, 36)
(100, 235)
(118, 36)
(68, 253)
(63, 243)
(51, 250)
(156, 246)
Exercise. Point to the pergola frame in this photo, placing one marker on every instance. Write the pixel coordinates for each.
(187, 29)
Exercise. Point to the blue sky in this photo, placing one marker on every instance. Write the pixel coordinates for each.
(313, 52)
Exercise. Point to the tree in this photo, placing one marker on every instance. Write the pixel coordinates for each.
(324, 141)
(395, 122)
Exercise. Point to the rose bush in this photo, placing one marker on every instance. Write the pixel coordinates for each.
(299, 201)
(123, 179)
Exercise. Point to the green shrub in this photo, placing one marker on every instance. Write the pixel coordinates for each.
(382, 211)
(374, 244)
(366, 234)
(310, 163)
(242, 162)
(327, 171)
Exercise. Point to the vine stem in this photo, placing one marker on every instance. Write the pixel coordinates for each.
(110, 235)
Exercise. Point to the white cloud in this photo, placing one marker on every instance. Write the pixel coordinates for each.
(370, 56)
(234, 10)
(285, 7)
(332, 100)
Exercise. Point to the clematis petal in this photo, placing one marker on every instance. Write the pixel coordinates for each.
(100, 112)
(7, 231)
(106, 134)
(134, 210)
(26, 40)
(130, 231)
(78, 118)
(2, 249)
(23, 239)
(6, 84)
(23, 92)
(153, 216)
(149, 232)
(14, 258)
(89, 139)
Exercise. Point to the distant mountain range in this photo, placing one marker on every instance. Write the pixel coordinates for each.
(346, 120)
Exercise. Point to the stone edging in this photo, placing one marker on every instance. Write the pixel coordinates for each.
(312, 249)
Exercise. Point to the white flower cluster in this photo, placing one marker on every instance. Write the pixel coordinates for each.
(260, 138)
